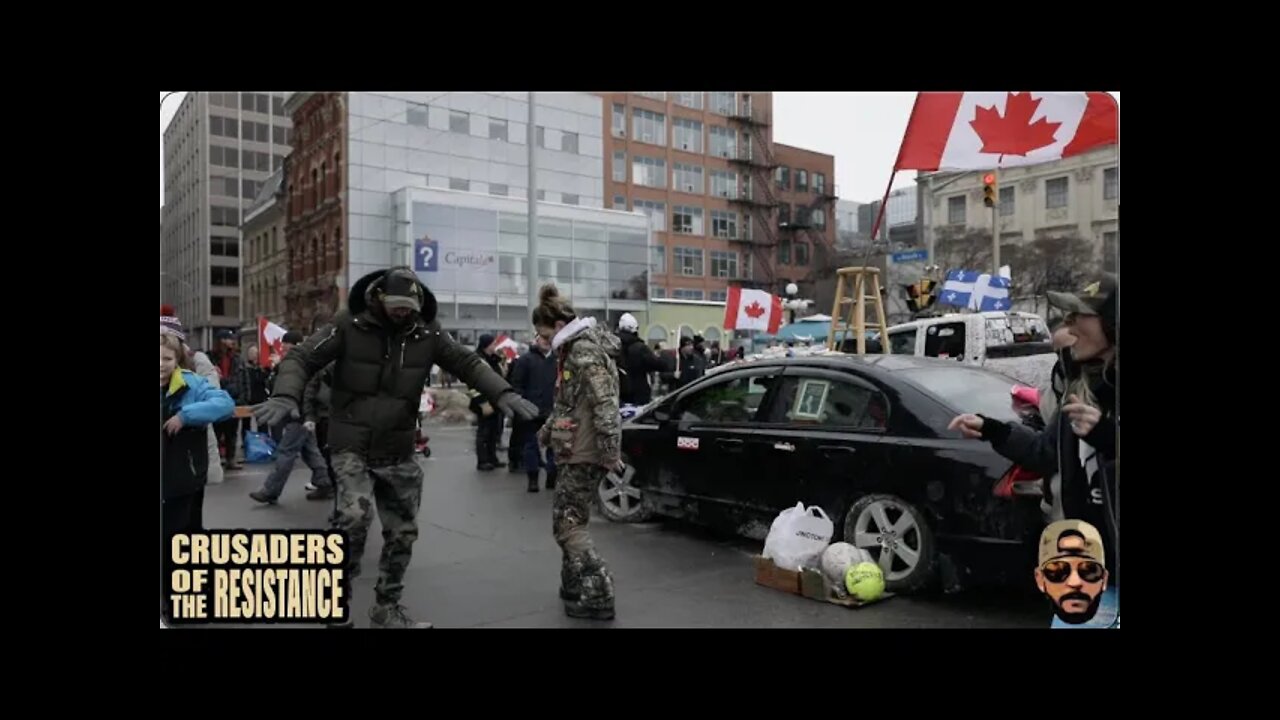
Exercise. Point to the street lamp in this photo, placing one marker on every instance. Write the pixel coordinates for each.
(792, 303)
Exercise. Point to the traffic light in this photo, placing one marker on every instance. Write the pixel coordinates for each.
(920, 295)
(989, 189)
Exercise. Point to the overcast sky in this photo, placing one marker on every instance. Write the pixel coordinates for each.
(861, 129)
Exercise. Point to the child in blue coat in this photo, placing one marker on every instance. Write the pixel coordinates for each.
(188, 405)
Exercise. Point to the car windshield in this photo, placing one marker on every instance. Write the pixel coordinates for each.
(967, 390)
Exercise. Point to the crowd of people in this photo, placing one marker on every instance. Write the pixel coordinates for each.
(563, 397)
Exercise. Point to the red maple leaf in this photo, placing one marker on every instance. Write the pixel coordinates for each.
(1014, 134)
(754, 310)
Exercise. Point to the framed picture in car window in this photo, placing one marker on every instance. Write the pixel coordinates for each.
(810, 399)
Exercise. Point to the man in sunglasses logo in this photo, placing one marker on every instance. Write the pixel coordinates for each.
(1072, 571)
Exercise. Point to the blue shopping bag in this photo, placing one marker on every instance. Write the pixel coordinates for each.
(259, 447)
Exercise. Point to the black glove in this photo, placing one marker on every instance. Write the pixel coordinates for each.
(276, 411)
(510, 403)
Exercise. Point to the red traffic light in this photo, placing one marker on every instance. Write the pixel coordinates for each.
(989, 178)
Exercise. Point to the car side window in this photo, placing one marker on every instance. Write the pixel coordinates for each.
(735, 400)
(945, 340)
(903, 342)
(827, 402)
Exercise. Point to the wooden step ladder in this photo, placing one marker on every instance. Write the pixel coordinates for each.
(849, 313)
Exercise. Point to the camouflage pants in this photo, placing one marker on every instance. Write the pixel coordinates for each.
(397, 490)
(583, 572)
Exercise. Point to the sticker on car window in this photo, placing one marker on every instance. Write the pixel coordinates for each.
(810, 400)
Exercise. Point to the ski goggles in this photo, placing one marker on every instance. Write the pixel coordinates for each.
(1057, 571)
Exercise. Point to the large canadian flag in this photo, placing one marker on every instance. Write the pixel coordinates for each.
(983, 130)
(752, 310)
(506, 346)
(270, 335)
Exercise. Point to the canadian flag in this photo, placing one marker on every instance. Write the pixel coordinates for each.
(752, 310)
(506, 346)
(270, 335)
(981, 130)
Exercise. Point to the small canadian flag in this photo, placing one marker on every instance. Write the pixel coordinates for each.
(983, 130)
(270, 335)
(506, 346)
(746, 309)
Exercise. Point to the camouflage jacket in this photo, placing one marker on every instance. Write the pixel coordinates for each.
(585, 425)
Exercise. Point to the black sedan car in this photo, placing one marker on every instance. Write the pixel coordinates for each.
(863, 437)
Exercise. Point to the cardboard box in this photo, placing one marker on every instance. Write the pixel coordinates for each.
(771, 575)
(814, 585)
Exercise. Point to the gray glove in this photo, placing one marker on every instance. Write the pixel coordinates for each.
(276, 411)
(510, 403)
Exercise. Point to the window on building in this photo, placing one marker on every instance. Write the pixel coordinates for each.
(686, 294)
(459, 122)
(215, 155)
(688, 261)
(461, 184)
(687, 178)
(542, 194)
(782, 177)
(657, 212)
(687, 135)
(648, 126)
(541, 138)
(784, 214)
(246, 101)
(263, 104)
(277, 134)
(1055, 193)
(819, 183)
(215, 125)
(649, 172)
(498, 129)
(619, 120)
(261, 132)
(262, 161)
(496, 189)
(784, 252)
(224, 247)
(658, 260)
(1110, 250)
(224, 277)
(1111, 183)
(718, 296)
(686, 220)
(230, 187)
(569, 143)
(724, 103)
(657, 292)
(1006, 201)
(417, 115)
(247, 188)
(568, 198)
(955, 210)
(723, 141)
(802, 252)
(724, 224)
(689, 99)
(724, 264)
(724, 184)
(654, 95)
(819, 218)
(277, 106)
(619, 202)
(802, 181)
(619, 166)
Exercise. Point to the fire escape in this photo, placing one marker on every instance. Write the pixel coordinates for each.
(802, 226)
(754, 193)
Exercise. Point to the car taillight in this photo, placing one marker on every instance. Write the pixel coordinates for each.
(1018, 476)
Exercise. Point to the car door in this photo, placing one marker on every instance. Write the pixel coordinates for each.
(834, 421)
(716, 445)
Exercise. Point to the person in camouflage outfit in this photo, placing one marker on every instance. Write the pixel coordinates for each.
(584, 431)
(382, 347)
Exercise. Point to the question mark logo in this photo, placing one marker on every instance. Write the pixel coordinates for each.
(427, 255)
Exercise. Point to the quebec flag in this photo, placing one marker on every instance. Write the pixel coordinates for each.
(958, 287)
(990, 292)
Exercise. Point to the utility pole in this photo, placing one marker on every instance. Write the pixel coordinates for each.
(531, 266)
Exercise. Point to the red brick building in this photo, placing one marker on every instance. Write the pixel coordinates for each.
(316, 215)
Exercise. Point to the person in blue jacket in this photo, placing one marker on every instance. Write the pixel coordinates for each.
(188, 404)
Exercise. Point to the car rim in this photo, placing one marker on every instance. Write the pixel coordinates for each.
(888, 531)
(620, 494)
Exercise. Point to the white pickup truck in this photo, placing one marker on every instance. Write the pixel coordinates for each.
(1016, 344)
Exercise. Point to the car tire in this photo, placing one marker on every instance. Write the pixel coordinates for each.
(909, 538)
(620, 500)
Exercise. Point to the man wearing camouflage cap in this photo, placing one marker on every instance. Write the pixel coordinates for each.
(383, 346)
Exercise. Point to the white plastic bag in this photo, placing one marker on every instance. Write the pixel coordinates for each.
(798, 536)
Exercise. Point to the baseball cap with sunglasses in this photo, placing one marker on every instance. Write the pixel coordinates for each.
(1058, 571)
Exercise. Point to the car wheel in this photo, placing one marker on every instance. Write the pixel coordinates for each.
(898, 538)
(620, 499)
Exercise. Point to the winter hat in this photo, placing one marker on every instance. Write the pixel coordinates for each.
(484, 343)
(293, 337)
(628, 323)
(170, 324)
(401, 290)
